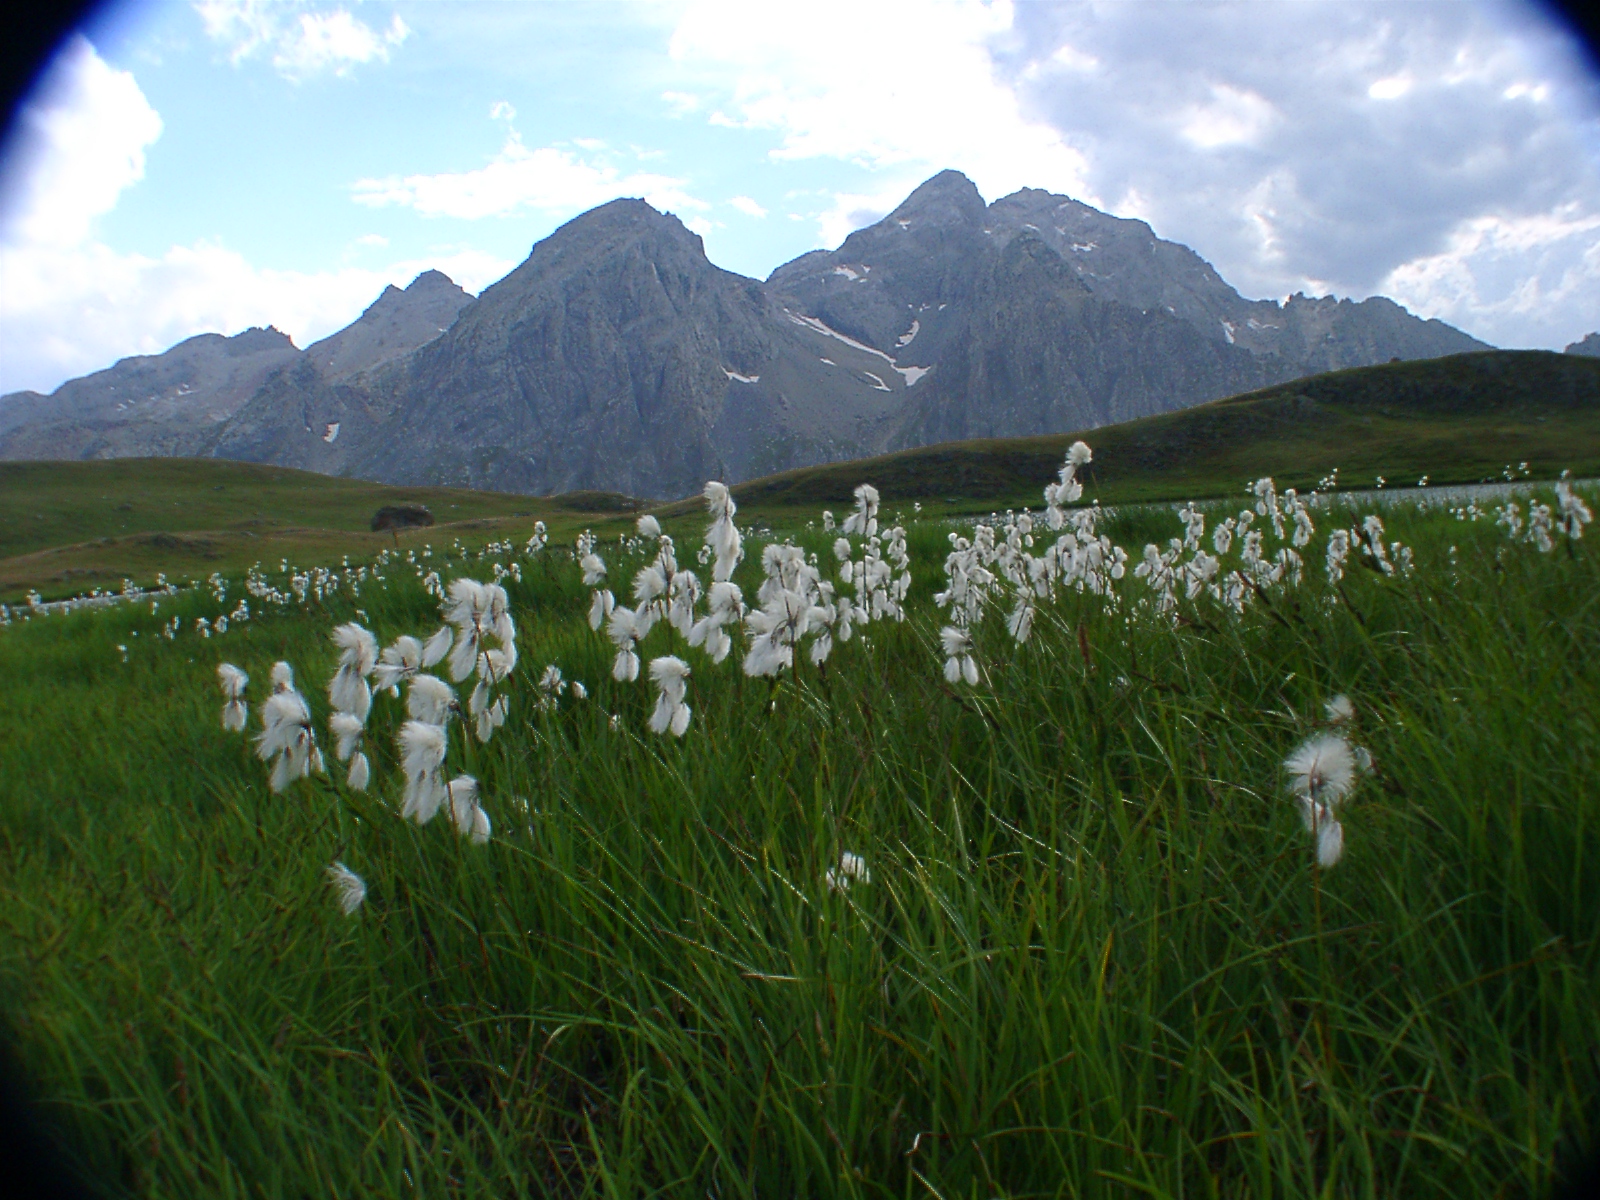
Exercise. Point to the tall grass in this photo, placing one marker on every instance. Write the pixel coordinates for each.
(1095, 956)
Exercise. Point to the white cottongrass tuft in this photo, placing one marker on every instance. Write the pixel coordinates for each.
(358, 657)
(648, 526)
(479, 611)
(1322, 769)
(864, 521)
(235, 711)
(349, 887)
(725, 606)
(470, 820)
(722, 538)
(422, 750)
(1340, 711)
(625, 633)
(431, 700)
(286, 740)
(347, 730)
(436, 647)
(671, 675)
(282, 677)
(1058, 495)
(959, 663)
(399, 662)
(1574, 513)
(852, 868)
(579, 692)
(1330, 842)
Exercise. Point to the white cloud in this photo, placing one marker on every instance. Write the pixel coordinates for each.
(1391, 87)
(546, 180)
(1353, 148)
(80, 143)
(310, 43)
(71, 304)
(854, 210)
(1231, 117)
(748, 207)
(1512, 280)
(1070, 58)
(926, 98)
(66, 311)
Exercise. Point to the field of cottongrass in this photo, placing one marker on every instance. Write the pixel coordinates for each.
(1257, 863)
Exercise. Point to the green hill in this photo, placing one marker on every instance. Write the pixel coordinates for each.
(1456, 420)
(73, 526)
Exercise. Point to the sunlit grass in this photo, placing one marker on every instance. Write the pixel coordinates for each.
(1095, 956)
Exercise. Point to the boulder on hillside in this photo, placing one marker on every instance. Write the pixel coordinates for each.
(401, 516)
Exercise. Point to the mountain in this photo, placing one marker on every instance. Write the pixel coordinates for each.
(396, 323)
(177, 403)
(1589, 347)
(1037, 314)
(162, 404)
(617, 357)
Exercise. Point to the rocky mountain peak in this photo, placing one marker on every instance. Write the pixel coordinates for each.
(258, 340)
(621, 220)
(396, 323)
(949, 198)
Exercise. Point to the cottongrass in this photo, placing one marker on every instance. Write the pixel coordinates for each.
(234, 712)
(1322, 772)
(671, 676)
(349, 888)
(852, 869)
(286, 740)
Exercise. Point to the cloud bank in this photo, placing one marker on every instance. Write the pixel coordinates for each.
(71, 304)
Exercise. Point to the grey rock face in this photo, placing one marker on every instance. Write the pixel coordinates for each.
(396, 323)
(1589, 346)
(163, 404)
(178, 403)
(618, 358)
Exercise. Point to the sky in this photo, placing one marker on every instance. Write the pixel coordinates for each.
(205, 167)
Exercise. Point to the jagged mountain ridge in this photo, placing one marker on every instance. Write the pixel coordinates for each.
(177, 403)
(618, 357)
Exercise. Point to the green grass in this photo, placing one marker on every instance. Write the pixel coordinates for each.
(1095, 957)
(74, 526)
(1457, 420)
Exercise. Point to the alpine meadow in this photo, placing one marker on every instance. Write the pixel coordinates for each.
(1243, 849)
(727, 600)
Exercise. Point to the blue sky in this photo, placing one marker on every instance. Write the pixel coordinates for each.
(205, 167)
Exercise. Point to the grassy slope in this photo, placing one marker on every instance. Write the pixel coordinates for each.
(77, 525)
(1457, 420)
(1094, 958)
